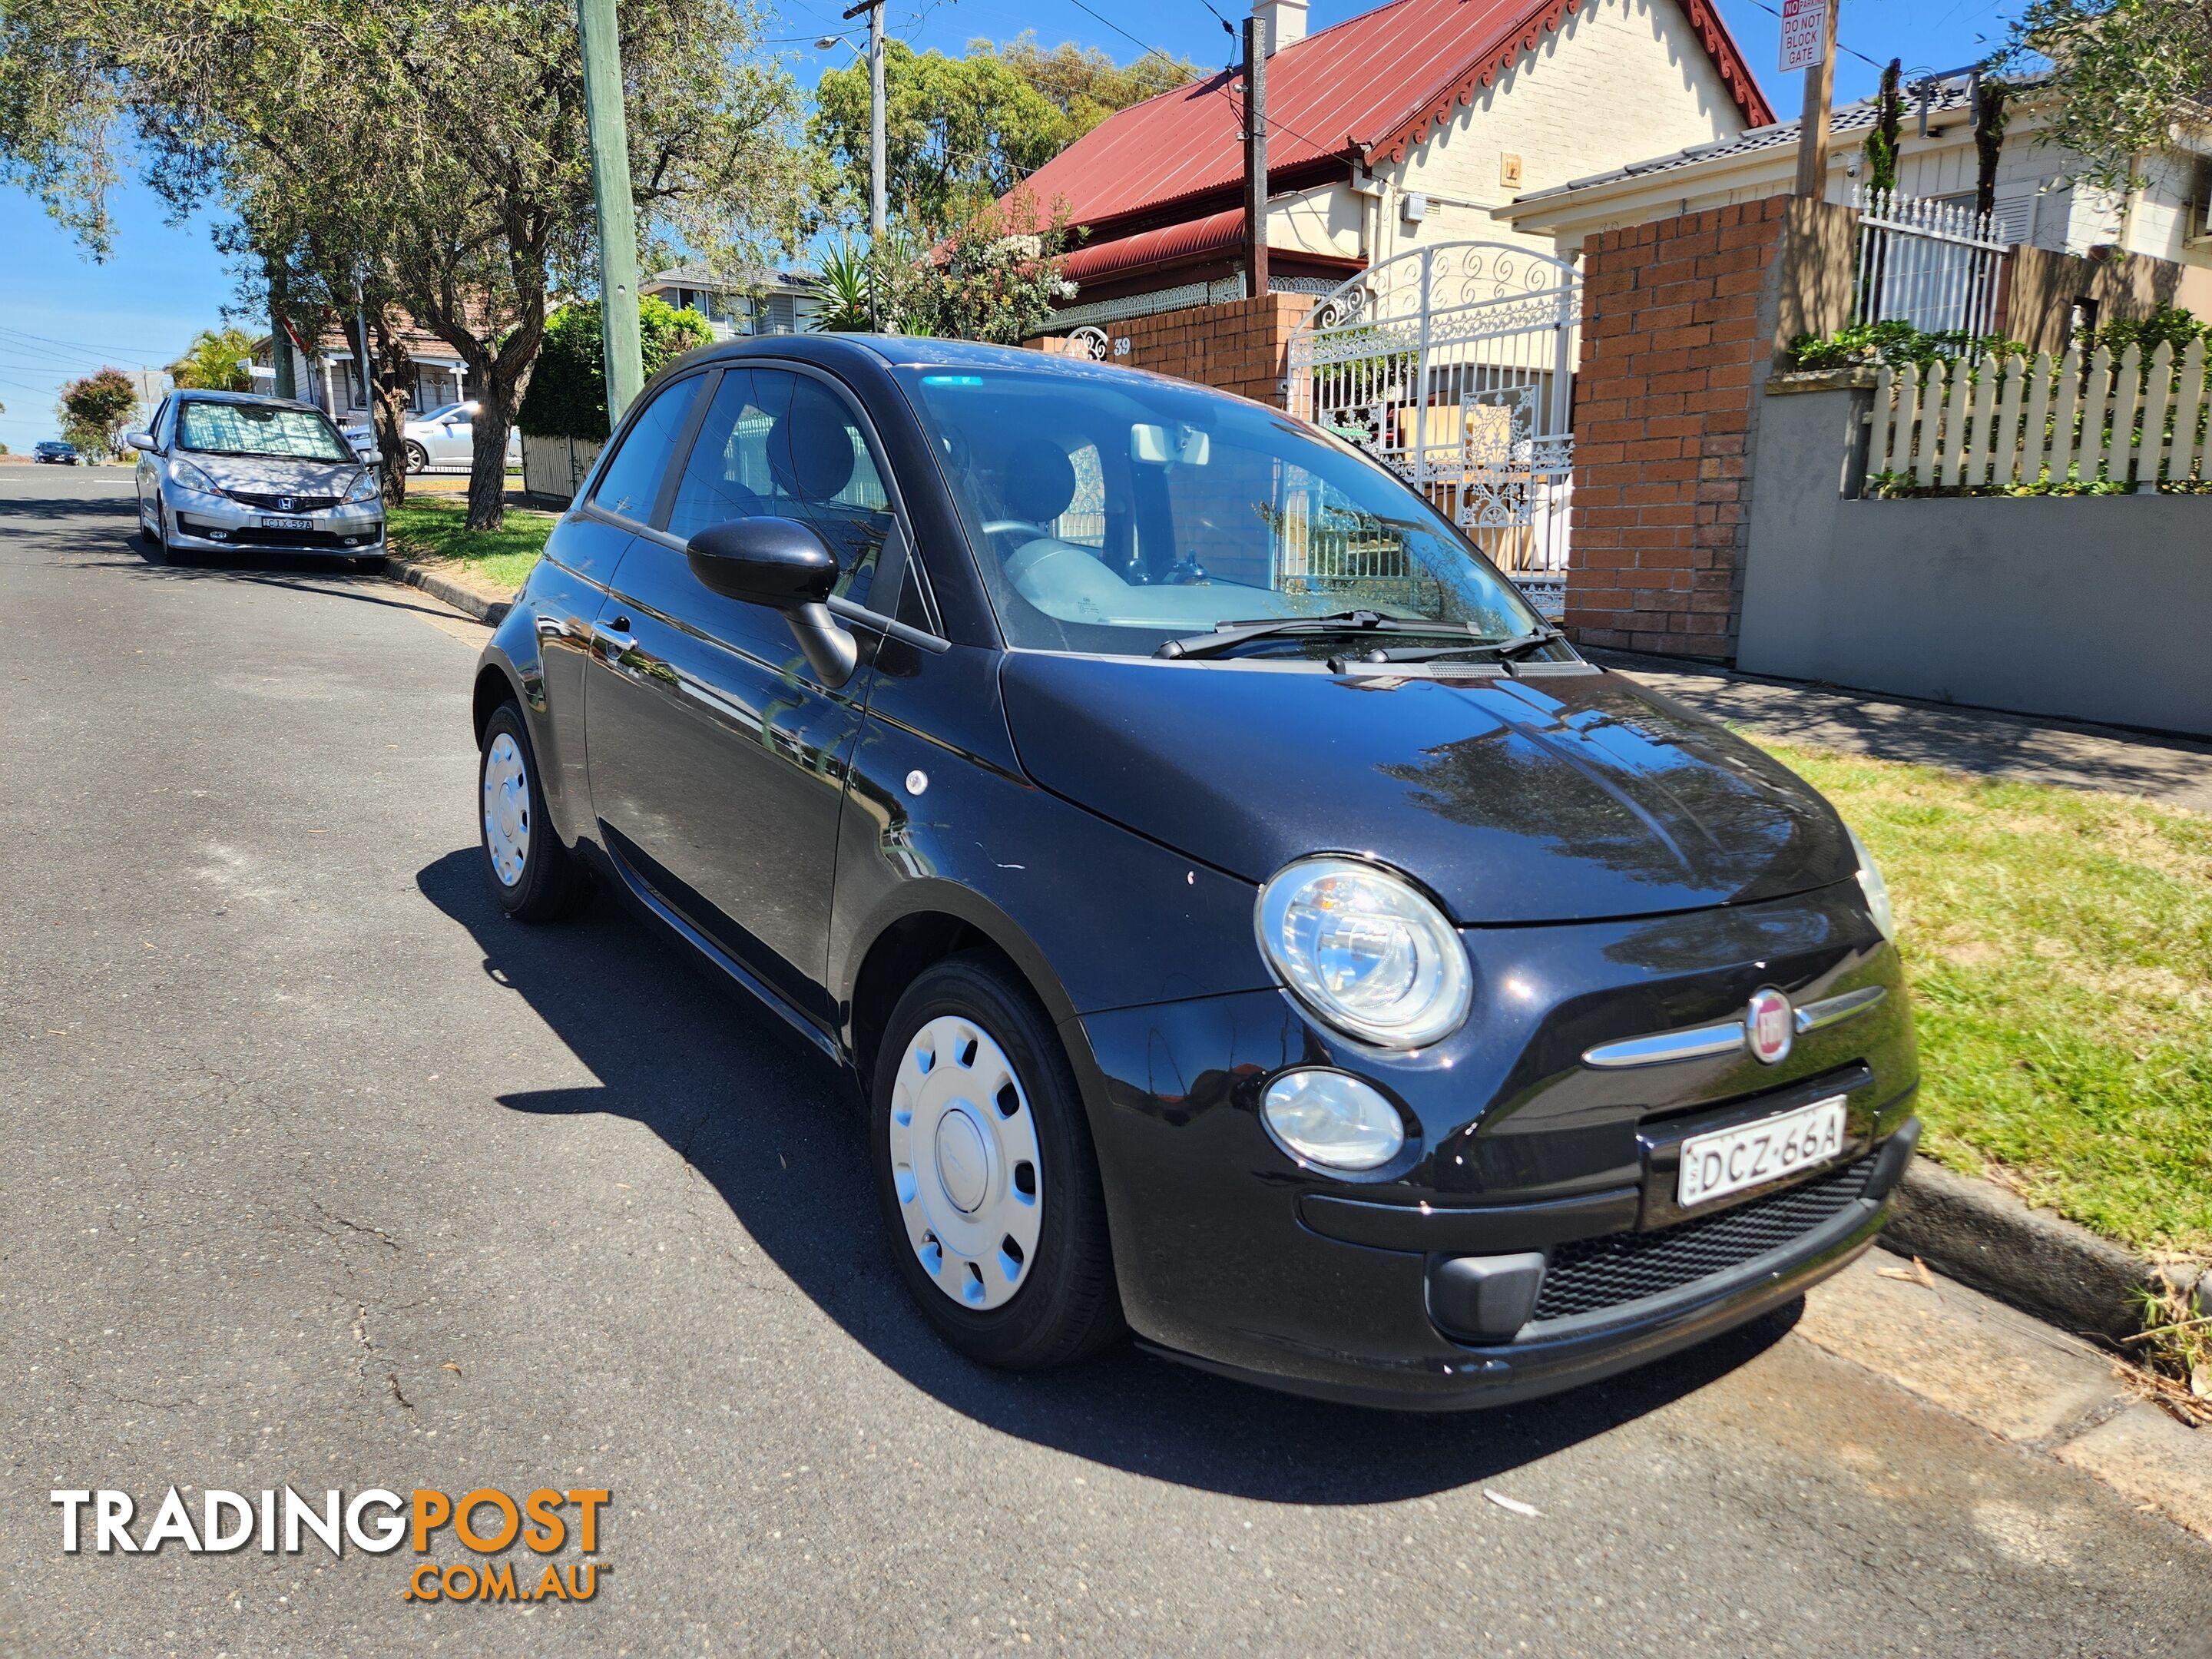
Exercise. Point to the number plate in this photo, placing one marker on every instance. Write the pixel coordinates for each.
(1728, 1160)
(288, 524)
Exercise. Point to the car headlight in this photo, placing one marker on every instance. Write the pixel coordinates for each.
(1327, 1117)
(1875, 888)
(365, 488)
(192, 478)
(1365, 951)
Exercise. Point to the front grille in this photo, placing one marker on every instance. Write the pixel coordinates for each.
(299, 503)
(257, 536)
(1588, 1274)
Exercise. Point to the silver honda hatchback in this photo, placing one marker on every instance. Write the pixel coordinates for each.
(220, 470)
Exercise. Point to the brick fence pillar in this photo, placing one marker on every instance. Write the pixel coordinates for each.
(1680, 321)
(1241, 346)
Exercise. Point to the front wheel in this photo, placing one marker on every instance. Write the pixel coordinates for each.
(533, 877)
(985, 1174)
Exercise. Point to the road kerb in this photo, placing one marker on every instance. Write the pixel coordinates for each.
(1977, 1232)
(482, 599)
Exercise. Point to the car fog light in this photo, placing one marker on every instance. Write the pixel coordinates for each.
(1326, 1117)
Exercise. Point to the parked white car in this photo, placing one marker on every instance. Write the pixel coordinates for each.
(443, 438)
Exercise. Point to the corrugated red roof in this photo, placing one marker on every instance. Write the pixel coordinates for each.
(1185, 243)
(1368, 88)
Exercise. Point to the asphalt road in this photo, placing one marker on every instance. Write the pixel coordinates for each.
(314, 1170)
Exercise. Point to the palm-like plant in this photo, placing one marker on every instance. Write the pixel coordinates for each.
(843, 287)
(216, 360)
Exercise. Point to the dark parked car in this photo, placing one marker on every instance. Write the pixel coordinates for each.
(52, 452)
(1245, 921)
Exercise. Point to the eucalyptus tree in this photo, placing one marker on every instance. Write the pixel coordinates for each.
(2123, 74)
(433, 153)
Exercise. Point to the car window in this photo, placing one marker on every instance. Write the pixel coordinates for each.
(258, 429)
(1111, 512)
(630, 483)
(781, 445)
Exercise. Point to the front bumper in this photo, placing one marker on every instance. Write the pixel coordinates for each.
(1232, 1256)
(354, 530)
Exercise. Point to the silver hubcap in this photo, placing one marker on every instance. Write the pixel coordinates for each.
(964, 1159)
(506, 809)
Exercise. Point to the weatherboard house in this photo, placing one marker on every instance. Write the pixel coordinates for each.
(1400, 128)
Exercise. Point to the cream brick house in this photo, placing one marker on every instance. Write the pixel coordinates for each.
(1405, 125)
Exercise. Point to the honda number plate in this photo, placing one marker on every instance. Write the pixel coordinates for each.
(288, 524)
(1728, 1160)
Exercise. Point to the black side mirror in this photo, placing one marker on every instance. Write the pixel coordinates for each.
(784, 565)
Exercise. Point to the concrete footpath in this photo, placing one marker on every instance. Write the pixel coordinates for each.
(2070, 753)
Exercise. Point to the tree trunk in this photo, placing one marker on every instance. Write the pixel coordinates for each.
(394, 368)
(494, 416)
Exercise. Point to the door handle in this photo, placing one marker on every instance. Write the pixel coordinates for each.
(616, 641)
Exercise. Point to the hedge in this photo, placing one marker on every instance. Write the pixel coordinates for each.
(568, 392)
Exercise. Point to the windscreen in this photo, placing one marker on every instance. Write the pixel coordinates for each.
(300, 434)
(1113, 513)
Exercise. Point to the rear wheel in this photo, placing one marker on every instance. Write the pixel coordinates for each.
(985, 1174)
(418, 458)
(533, 876)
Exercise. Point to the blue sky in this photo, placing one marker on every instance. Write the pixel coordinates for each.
(61, 315)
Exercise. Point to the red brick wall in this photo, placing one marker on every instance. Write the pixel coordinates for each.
(1241, 346)
(1679, 320)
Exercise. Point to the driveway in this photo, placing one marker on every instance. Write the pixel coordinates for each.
(316, 1171)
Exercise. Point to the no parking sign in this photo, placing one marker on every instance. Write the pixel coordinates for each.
(1804, 34)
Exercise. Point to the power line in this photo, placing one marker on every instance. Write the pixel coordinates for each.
(1860, 56)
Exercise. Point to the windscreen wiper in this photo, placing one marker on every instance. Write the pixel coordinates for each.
(1228, 635)
(1505, 651)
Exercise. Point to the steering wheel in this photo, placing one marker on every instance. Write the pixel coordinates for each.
(1006, 527)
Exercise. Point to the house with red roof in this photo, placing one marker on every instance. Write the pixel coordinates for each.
(1402, 126)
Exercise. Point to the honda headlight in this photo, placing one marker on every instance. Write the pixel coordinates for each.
(365, 488)
(192, 478)
(1365, 951)
(1875, 888)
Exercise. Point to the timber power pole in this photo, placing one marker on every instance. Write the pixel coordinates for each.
(1255, 157)
(1819, 90)
(608, 130)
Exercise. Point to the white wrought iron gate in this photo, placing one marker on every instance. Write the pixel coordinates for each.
(1454, 365)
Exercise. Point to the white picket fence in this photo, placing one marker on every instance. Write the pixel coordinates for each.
(2009, 422)
(1932, 264)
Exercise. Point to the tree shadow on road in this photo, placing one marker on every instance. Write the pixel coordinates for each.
(777, 1132)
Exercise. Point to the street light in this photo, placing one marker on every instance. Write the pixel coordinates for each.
(874, 59)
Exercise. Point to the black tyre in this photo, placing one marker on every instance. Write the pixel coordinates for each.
(985, 1174)
(170, 552)
(418, 458)
(534, 877)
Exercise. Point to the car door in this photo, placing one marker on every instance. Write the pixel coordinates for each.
(717, 756)
(146, 474)
(451, 436)
(569, 588)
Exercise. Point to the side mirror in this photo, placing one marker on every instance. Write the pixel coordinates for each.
(140, 440)
(784, 565)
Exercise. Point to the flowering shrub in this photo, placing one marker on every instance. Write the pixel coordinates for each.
(984, 283)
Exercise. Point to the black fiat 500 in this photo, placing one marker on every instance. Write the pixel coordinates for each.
(1248, 924)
